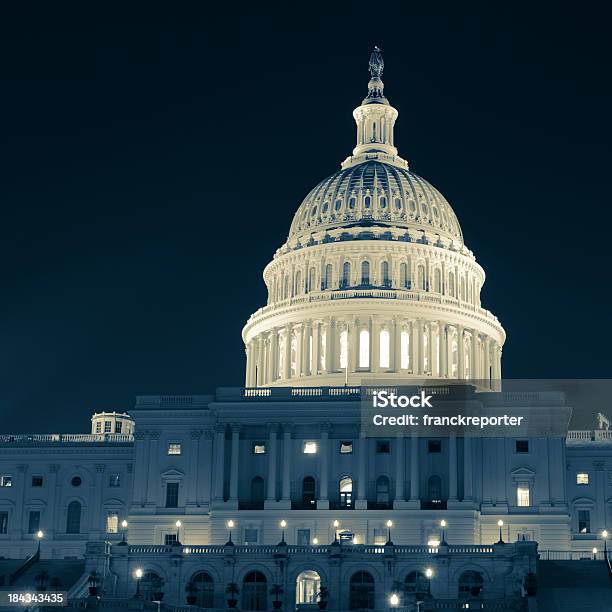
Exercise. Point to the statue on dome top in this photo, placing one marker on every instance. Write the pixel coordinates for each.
(377, 63)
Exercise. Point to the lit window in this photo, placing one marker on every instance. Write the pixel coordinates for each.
(310, 448)
(98, 427)
(259, 448)
(582, 478)
(382, 447)
(114, 480)
(364, 348)
(346, 492)
(346, 447)
(404, 350)
(174, 448)
(385, 342)
(107, 426)
(522, 496)
(380, 537)
(6, 480)
(112, 522)
(37, 481)
(584, 521)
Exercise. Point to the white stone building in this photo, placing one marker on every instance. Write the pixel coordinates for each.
(374, 284)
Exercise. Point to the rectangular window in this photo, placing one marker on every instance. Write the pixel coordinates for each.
(522, 446)
(37, 481)
(98, 427)
(170, 539)
(250, 535)
(118, 426)
(434, 446)
(174, 448)
(584, 521)
(107, 426)
(346, 447)
(114, 480)
(383, 447)
(34, 521)
(3, 523)
(303, 537)
(380, 537)
(112, 522)
(6, 480)
(172, 490)
(259, 448)
(582, 478)
(310, 448)
(522, 496)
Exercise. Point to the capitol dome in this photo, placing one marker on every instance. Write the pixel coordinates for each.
(375, 193)
(374, 282)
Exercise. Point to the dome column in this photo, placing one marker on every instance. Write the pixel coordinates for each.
(474, 364)
(487, 362)
(299, 344)
(330, 326)
(375, 329)
(396, 356)
(287, 359)
(353, 346)
(314, 366)
(417, 347)
(443, 340)
(306, 347)
(249, 364)
(460, 353)
(274, 354)
(260, 360)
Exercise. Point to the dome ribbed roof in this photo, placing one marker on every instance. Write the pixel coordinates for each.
(375, 193)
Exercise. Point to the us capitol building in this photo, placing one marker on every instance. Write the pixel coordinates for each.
(271, 495)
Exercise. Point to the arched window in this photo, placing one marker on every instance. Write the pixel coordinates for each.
(346, 492)
(308, 492)
(255, 592)
(298, 283)
(365, 273)
(434, 490)
(404, 275)
(451, 284)
(312, 277)
(344, 349)
(404, 349)
(73, 517)
(470, 584)
(346, 274)
(205, 590)
(286, 287)
(361, 591)
(416, 582)
(352, 203)
(327, 280)
(257, 493)
(384, 274)
(421, 278)
(382, 492)
(150, 586)
(382, 202)
(385, 348)
(367, 202)
(398, 203)
(437, 281)
(364, 348)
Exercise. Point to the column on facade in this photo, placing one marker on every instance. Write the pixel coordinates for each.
(414, 469)
(287, 461)
(249, 361)
(260, 360)
(271, 450)
(194, 455)
(287, 358)
(96, 519)
(375, 328)
(273, 354)
(474, 375)
(323, 501)
(362, 471)
(298, 329)
(306, 348)
(54, 489)
(452, 467)
(233, 496)
(460, 353)
(600, 495)
(20, 487)
(219, 467)
(353, 345)
(396, 346)
(487, 362)
(400, 458)
(497, 367)
(140, 461)
(330, 328)
(153, 486)
(468, 476)
(316, 339)
(443, 341)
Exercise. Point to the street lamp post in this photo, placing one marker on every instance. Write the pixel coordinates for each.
(230, 526)
(124, 525)
(443, 524)
(389, 525)
(336, 525)
(283, 524)
(39, 536)
(429, 574)
(178, 532)
(500, 524)
(394, 600)
(604, 535)
(138, 576)
(594, 554)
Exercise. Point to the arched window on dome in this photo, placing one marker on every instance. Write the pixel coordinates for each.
(365, 273)
(404, 275)
(312, 279)
(398, 204)
(286, 287)
(346, 275)
(421, 282)
(437, 280)
(364, 348)
(352, 203)
(385, 348)
(344, 349)
(384, 274)
(297, 289)
(451, 284)
(367, 202)
(327, 279)
(382, 202)
(404, 349)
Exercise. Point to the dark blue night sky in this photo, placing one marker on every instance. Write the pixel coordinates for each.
(152, 159)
